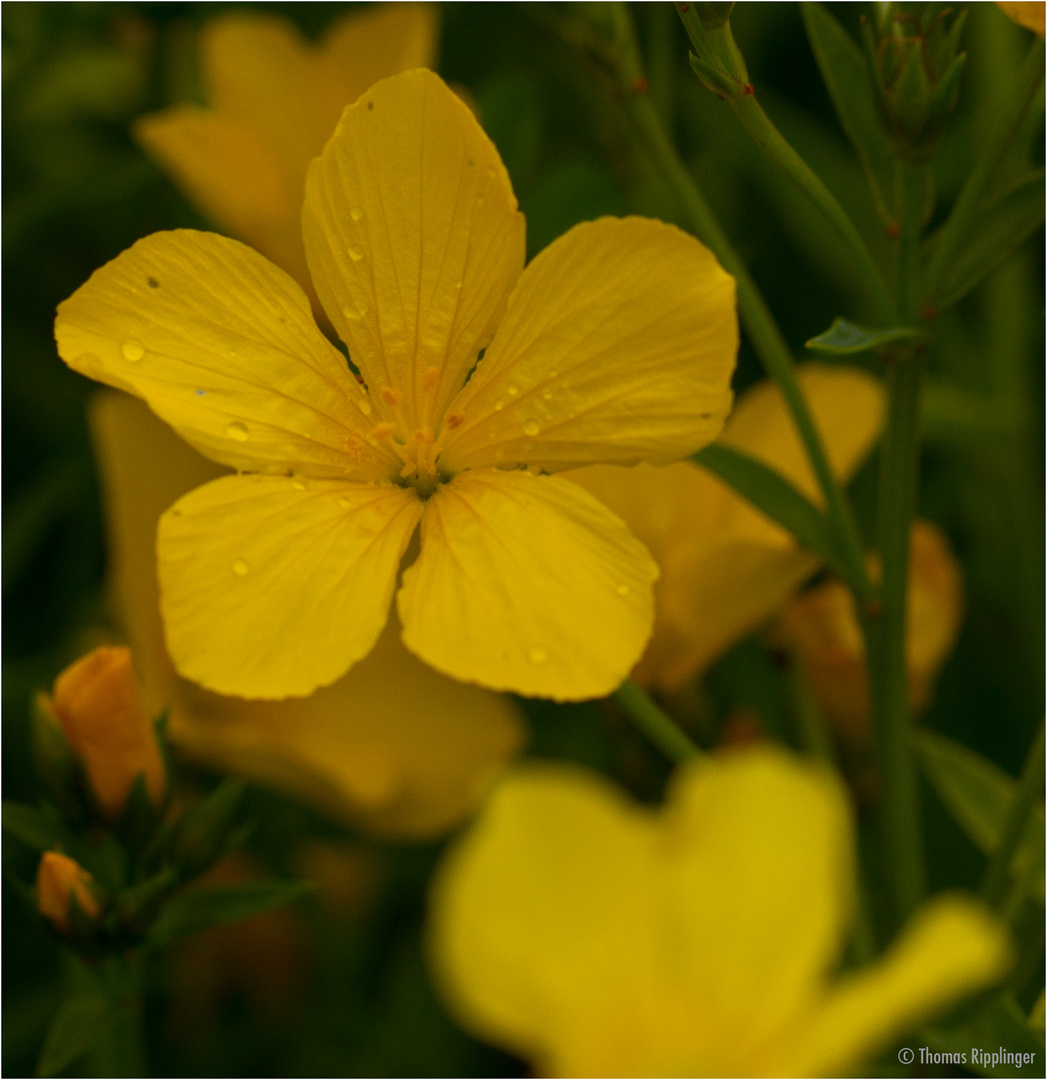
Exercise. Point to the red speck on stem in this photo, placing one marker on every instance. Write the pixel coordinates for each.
(930, 312)
(893, 230)
(749, 89)
(640, 85)
(685, 8)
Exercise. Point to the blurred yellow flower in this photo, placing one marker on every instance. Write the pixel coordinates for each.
(1030, 15)
(98, 702)
(725, 568)
(274, 101)
(616, 344)
(58, 879)
(393, 746)
(821, 628)
(599, 938)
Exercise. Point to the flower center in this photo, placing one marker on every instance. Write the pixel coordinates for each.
(418, 450)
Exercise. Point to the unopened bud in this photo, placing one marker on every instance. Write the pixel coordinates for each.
(60, 880)
(820, 627)
(716, 59)
(98, 702)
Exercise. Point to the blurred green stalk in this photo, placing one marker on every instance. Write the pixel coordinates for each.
(657, 725)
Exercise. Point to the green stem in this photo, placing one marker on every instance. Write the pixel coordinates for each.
(121, 1051)
(899, 475)
(774, 145)
(1030, 787)
(957, 226)
(757, 319)
(657, 725)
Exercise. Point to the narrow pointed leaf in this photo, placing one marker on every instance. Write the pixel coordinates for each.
(978, 794)
(77, 1024)
(774, 496)
(197, 909)
(845, 72)
(845, 338)
(35, 828)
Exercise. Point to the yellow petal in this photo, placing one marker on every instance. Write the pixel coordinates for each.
(527, 583)
(759, 878)
(234, 177)
(952, 948)
(272, 586)
(222, 345)
(1033, 16)
(618, 346)
(393, 746)
(725, 567)
(414, 241)
(542, 920)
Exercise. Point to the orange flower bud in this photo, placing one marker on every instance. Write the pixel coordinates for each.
(821, 628)
(98, 702)
(57, 878)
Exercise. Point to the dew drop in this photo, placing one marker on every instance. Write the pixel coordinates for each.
(499, 405)
(531, 427)
(297, 483)
(152, 283)
(237, 431)
(200, 393)
(133, 350)
(512, 390)
(537, 655)
(344, 503)
(365, 406)
(356, 253)
(356, 213)
(622, 590)
(240, 568)
(547, 395)
(490, 170)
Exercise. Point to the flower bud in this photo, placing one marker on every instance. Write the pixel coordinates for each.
(59, 879)
(821, 628)
(98, 702)
(916, 75)
(715, 59)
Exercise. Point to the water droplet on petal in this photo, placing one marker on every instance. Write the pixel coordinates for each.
(512, 390)
(237, 431)
(133, 350)
(537, 655)
(344, 503)
(240, 568)
(356, 213)
(531, 427)
(547, 395)
(200, 393)
(499, 405)
(356, 253)
(490, 170)
(298, 483)
(365, 406)
(622, 590)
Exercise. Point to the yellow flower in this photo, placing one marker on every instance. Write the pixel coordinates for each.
(821, 628)
(393, 747)
(275, 99)
(615, 344)
(58, 878)
(725, 568)
(1029, 15)
(599, 938)
(98, 702)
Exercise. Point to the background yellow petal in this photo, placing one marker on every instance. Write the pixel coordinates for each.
(272, 586)
(222, 345)
(952, 948)
(414, 242)
(527, 583)
(725, 568)
(542, 919)
(393, 746)
(758, 875)
(618, 346)
(234, 177)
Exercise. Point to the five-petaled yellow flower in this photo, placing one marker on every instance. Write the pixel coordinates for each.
(598, 938)
(616, 344)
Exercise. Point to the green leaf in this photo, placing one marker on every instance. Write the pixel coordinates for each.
(772, 494)
(202, 832)
(1001, 1024)
(978, 794)
(37, 829)
(845, 338)
(77, 1024)
(844, 69)
(196, 909)
(997, 232)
